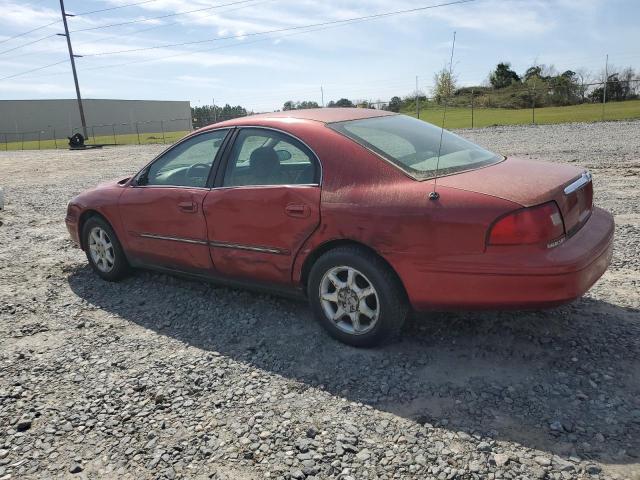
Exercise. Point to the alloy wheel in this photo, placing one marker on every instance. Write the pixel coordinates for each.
(349, 299)
(101, 249)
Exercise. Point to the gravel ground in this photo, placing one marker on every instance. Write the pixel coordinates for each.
(160, 377)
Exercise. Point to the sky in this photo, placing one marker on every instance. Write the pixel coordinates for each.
(234, 62)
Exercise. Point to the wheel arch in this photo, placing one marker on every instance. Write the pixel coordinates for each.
(86, 215)
(323, 248)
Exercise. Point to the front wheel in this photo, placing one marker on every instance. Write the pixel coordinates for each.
(356, 297)
(103, 250)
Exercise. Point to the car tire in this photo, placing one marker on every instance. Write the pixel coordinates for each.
(103, 249)
(357, 297)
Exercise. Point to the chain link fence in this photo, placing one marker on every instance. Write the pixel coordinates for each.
(211, 117)
(469, 107)
(125, 133)
(144, 132)
(482, 106)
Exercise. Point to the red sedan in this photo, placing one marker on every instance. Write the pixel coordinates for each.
(365, 212)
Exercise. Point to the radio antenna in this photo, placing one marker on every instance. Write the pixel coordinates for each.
(434, 195)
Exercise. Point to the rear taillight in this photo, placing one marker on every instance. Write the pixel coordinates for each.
(542, 224)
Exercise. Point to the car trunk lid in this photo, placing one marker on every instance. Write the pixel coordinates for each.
(530, 183)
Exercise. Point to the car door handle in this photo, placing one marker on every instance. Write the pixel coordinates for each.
(294, 210)
(189, 207)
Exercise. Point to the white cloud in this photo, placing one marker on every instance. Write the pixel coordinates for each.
(25, 16)
(31, 88)
(47, 89)
(514, 17)
(365, 59)
(205, 59)
(200, 81)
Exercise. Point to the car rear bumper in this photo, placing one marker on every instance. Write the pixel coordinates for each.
(516, 279)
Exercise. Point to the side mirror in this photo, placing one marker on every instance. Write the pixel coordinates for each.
(283, 155)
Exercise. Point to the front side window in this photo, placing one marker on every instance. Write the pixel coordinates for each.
(187, 164)
(414, 145)
(267, 157)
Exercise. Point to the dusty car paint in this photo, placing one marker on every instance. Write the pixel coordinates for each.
(438, 249)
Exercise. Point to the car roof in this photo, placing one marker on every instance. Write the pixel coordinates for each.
(323, 115)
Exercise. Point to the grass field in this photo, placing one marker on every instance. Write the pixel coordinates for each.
(456, 118)
(485, 117)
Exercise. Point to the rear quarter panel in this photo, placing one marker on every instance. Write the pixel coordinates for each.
(368, 200)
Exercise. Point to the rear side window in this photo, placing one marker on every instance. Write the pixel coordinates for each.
(268, 157)
(414, 145)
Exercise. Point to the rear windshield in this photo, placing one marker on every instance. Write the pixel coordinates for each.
(413, 145)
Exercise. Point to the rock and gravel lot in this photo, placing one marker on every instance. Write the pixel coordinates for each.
(161, 377)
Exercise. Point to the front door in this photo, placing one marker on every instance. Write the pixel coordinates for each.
(265, 205)
(162, 212)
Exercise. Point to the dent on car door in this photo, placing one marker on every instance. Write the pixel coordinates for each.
(265, 205)
(162, 211)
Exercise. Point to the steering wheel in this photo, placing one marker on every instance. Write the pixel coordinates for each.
(192, 172)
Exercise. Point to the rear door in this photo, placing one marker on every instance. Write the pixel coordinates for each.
(265, 204)
(162, 210)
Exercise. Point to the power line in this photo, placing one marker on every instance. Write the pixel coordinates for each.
(322, 26)
(33, 70)
(174, 23)
(28, 43)
(113, 8)
(278, 30)
(29, 31)
(203, 16)
(140, 20)
(180, 54)
(183, 54)
(208, 49)
(58, 21)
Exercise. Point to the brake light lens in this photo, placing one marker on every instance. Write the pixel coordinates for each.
(542, 224)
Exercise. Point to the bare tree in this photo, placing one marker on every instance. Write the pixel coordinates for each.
(584, 76)
(629, 81)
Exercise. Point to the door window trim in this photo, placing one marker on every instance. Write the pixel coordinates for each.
(224, 160)
(212, 171)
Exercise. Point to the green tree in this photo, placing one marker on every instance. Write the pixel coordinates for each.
(208, 114)
(395, 104)
(533, 72)
(307, 104)
(444, 85)
(344, 102)
(290, 105)
(564, 89)
(617, 89)
(503, 76)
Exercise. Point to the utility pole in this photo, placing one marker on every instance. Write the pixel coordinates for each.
(472, 108)
(73, 66)
(215, 115)
(417, 99)
(533, 106)
(322, 96)
(606, 80)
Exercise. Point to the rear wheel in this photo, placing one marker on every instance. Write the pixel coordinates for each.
(356, 297)
(103, 250)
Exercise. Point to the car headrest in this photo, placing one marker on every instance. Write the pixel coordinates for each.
(264, 161)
